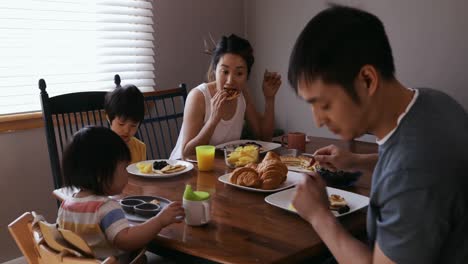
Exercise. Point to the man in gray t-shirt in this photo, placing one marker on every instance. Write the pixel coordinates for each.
(418, 210)
(342, 65)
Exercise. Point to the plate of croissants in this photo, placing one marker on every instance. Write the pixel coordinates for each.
(270, 175)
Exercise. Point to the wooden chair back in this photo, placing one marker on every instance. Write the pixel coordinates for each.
(164, 113)
(65, 114)
(37, 251)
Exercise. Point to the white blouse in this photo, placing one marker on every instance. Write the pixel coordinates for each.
(225, 131)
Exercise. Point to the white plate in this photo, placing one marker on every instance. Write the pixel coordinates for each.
(283, 200)
(292, 179)
(132, 169)
(266, 146)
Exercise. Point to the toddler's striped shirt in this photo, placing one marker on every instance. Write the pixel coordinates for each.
(97, 219)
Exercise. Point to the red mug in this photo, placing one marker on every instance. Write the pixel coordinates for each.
(296, 140)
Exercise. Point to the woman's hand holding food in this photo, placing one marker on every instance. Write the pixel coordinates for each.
(218, 106)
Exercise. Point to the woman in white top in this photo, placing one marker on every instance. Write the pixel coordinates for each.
(214, 112)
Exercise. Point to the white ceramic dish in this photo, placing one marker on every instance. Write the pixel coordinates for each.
(292, 179)
(266, 146)
(283, 200)
(134, 170)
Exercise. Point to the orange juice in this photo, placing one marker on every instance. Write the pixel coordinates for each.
(205, 157)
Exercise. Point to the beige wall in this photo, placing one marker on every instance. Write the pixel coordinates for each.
(428, 39)
(181, 26)
(25, 180)
(25, 183)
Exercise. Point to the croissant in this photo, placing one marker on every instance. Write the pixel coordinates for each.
(269, 174)
(245, 177)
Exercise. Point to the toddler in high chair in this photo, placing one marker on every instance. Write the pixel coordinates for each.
(95, 162)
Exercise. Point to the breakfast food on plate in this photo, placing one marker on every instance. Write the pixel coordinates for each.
(246, 177)
(253, 143)
(268, 175)
(232, 92)
(242, 156)
(252, 166)
(155, 201)
(338, 203)
(157, 165)
(291, 207)
(304, 162)
(170, 169)
(308, 163)
(291, 161)
(144, 167)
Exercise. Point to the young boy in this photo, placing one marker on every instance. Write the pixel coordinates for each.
(125, 110)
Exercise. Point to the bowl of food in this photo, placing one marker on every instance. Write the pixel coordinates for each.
(128, 205)
(147, 209)
(338, 178)
(239, 156)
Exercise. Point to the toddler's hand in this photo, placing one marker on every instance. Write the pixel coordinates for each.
(173, 213)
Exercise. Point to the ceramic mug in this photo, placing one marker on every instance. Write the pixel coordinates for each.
(295, 140)
(197, 212)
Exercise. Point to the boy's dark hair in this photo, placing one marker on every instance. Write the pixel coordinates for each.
(126, 102)
(90, 160)
(336, 44)
(235, 45)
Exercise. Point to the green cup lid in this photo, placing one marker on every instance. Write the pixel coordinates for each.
(191, 195)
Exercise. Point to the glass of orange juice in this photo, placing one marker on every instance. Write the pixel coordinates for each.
(205, 157)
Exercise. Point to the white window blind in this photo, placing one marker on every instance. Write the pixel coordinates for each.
(74, 45)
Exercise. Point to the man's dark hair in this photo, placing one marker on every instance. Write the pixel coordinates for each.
(126, 102)
(234, 45)
(336, 44)
(90, 160)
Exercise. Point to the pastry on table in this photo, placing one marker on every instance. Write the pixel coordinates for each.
(268, 175)
(245, 177)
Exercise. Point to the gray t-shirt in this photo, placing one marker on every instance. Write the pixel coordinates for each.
(418, 210)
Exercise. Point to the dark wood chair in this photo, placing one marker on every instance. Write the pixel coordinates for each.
(163, 121)
(65, 114)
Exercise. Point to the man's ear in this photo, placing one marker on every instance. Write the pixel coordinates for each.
(369, 76)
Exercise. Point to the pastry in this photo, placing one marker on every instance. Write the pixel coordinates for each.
(252, 166)
(232, 93)
(245, 177)
(338, 203)
(268, 175)
(304, 162)
(308, 163)
(170, 169)
(291, 161)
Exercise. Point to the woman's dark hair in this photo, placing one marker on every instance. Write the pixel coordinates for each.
(336, 44)
(126, 102)
(234, 45)
(90, 160)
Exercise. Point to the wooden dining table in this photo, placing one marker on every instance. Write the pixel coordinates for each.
(243, 227)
